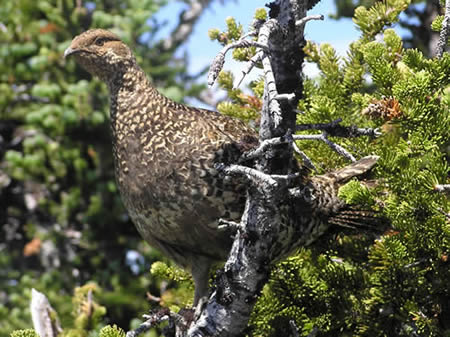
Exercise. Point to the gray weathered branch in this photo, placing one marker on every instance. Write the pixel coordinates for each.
(239, 283)
(250, 64)
(258, 178)
(306, 160)
(45, 320)
(219, 60)
(303, 21)
(445, 30)
(152, 320)
(335, 129)
(324, 138)
(442, 188)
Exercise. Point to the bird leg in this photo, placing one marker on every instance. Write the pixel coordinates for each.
(200, 274)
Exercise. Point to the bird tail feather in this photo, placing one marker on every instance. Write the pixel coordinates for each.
(355, 169)
(359, 219)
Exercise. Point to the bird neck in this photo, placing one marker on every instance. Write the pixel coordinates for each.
(129, 87)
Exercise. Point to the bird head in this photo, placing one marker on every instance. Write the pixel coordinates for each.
(101, 53)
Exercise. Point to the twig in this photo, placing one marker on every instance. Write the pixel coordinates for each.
(262, 43)
(259, 151)
(265, 144)
(248, 68)
(294, 328)
(373, 133)
(445, 30)
(447, 215)
(151, 321)
(45, 320)
(257, 177)
(219, 60)
(343, 132)
(306, 160)
(285, 177)
(337, 148)
(272, 92)
(324, 138)
(336, 130)
(285, 97)
(152, 298)
(441, 188)
(415, 264)
(303, 21)
(229, 225)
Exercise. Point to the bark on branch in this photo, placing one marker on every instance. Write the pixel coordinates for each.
(45, 320)
(445, 30)
(238, 285)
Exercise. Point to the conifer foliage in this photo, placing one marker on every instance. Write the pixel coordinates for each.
(350, 283)
(394, 284)
(62, 223)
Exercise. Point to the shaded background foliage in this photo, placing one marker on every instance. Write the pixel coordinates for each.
(350, 283)
(62, 221)
(63, 225)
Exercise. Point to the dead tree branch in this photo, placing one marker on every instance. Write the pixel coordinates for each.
(445, 30)
(442, 188)
(250, 64)
(336, 130)
(247, 269)
(303, 21)
(324, 138)
(176, 322)
(45, 320)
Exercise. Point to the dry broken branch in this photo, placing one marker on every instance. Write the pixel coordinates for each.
(445, 30)
(45, 320)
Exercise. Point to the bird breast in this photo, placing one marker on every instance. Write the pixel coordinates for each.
(170, 187)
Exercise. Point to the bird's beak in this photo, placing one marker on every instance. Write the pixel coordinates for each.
(69, 51)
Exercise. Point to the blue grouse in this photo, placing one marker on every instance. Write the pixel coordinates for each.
(165, 155)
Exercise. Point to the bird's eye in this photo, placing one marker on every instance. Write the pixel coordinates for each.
(100, 42)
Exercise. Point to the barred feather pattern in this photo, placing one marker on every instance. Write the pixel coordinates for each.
(318, 207)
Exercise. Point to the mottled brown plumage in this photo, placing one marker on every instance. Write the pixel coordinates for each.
(164, 155)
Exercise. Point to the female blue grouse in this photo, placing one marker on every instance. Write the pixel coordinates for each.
(165, 154)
